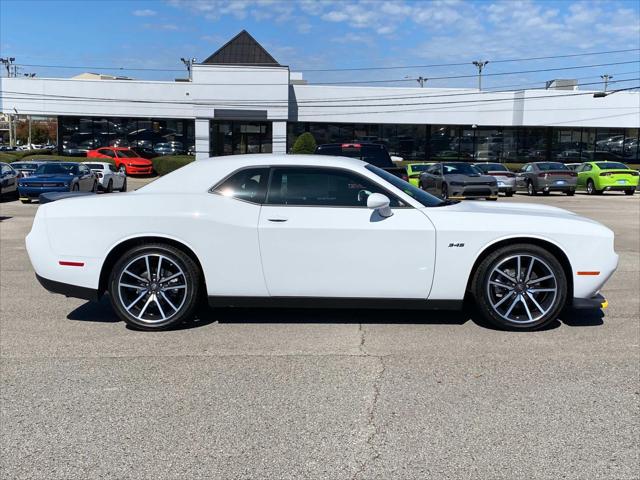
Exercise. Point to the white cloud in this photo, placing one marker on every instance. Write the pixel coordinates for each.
(145, 13)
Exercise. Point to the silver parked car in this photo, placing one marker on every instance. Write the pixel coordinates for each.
(506, 178)
(546, 177)
(458, 180)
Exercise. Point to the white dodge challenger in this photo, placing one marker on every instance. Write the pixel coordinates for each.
(303, 230)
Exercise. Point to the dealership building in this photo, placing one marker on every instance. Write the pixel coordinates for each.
(241, 100)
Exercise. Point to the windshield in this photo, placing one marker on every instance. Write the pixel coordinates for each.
(547, 166)
(95, 166)
(54, 168)
(460, 169)
(25, 166)
(417, 194)
(612, 166)
(374, 154)
(491, 167)
(127, 154)
(419, 167)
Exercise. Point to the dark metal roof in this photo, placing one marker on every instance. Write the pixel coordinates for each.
(242, 49)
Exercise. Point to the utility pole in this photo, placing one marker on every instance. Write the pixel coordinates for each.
(480, 64)
(188, 62)
(421, 80)
(29, 120)
(8, 63)
(606, 77)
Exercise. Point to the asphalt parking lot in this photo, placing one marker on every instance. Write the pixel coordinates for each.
(319, 394)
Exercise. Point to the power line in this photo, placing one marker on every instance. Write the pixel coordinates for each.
(396, 67)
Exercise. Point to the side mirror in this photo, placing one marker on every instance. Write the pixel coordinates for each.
(379, 203)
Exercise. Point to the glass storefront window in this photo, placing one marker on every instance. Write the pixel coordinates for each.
(153, 136)
(234, 137)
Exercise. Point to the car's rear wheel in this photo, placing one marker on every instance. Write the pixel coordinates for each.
(75, 188)
(591, 188)
(546, 193)
(630, 192)
(124, 186)
(155, 287)
(520, 287)
(509, 193)
(570, 193)
(109, 188)
(94, 189)
(445, 192)
(531, 190)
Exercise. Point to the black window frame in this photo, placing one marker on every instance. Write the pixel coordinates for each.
(392, 196)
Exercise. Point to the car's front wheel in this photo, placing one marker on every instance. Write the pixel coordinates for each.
(630, 192)
(520, 287)
(531, 190)
(155, 287)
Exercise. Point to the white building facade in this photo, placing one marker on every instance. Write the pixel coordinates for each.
(241, 100)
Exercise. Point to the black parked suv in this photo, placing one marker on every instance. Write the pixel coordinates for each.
(373, 153)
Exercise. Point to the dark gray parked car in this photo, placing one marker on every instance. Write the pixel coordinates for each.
(458, 180)
(8, 181)
(546, 177)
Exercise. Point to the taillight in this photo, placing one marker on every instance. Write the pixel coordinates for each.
(635, 174)
(606, 174)
(573, 174)
(543, 175)
(405, 177)
(99, 175)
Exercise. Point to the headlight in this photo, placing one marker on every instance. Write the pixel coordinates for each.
(20, 184)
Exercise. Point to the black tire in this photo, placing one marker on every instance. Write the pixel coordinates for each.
(94, 189)
(124, 186)
(630, 192)
(546, 193)
(509, 193)
(26, 200)
(191, 277)
(491, 199)
(531, 190)
(571, 193)
(445, 192)
(75, 188)
(109, 188)
(591, 188)
(480, 287)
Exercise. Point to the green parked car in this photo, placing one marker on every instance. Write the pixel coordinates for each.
(599, 177)
(414, 170)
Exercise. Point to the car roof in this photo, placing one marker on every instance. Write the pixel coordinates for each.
(203, 174)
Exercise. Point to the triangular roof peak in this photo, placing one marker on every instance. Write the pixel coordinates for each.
(242, 49)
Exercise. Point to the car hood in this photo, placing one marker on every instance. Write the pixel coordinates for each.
(458, 177)
(48, 177)
(521, 209)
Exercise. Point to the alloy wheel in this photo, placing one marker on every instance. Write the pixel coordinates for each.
(522, 289)
(152, 288)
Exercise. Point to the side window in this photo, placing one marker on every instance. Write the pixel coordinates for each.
(249, 185)
(112, 168)
(108, 153)
(435, 170)
(322, 187)
(528, 168)
(587, 167)
(5, 170)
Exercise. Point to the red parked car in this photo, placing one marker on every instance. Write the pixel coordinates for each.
(133, 163)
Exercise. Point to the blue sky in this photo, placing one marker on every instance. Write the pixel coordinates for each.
(330, 34)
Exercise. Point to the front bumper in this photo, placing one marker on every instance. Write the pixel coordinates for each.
(132, 170)
(34, 192)
(594, 303)
(468, 191)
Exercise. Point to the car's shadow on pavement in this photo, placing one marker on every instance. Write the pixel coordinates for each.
(102, 312)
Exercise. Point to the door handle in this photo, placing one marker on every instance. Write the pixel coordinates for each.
(277, 219)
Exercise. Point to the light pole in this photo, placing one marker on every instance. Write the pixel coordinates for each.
(421, 80)
(606, 77)
(8, 63)
(188, 62)
(480, 64)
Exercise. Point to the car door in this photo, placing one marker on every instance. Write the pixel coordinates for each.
(318, 238)
(8, 178)
(84, 177)
(584, 171)
(432, 179)
(521, 176)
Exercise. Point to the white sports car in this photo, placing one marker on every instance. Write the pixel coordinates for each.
(306, 230)
(109, 177)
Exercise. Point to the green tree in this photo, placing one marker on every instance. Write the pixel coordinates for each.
(305, 143)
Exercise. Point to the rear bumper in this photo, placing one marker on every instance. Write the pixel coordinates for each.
(594, 303)
(68, 290)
